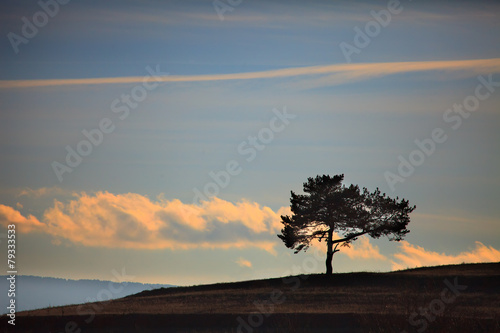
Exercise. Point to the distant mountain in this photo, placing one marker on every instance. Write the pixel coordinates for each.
(34, 292)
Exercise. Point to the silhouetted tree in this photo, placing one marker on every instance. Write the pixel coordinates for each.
(329, 207)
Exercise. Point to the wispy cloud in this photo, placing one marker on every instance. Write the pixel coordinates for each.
(416, 256)
(134, 221)
(315, 76)
(244, 263)
(43, 191)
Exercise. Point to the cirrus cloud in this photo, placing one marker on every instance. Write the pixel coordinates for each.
(324, 75)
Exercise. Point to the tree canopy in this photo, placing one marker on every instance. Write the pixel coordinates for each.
(328, 207)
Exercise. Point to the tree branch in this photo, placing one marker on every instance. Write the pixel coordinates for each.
(351, 236)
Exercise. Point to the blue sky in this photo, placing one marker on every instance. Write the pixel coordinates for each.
(221, 82)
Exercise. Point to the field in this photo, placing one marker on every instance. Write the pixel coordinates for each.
(456, 298)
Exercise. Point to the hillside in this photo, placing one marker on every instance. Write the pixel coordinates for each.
(458, 298)
(35, 292)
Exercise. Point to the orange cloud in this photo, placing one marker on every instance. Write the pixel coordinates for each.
(134, 221)
(331, 74)
(248, 213)
(363, 249)
(360, 249)
(416, 256)
(9, 215)
(244, 263)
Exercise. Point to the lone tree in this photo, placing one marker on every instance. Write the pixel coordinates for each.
(329, 207)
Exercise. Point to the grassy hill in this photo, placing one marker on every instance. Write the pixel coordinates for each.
(455, 298)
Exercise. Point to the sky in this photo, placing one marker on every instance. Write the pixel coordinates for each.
(161, 139)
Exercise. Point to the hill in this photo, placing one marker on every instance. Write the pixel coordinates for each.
(35, 292)
(455, 298)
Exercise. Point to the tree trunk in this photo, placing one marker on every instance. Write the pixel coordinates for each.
(329, 253)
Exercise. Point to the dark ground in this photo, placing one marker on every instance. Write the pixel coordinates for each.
(456, 298)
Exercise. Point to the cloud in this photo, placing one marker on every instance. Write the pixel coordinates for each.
(416, 256)
(363, 249)
(9, 215)
(329, 74)
(42, 192)
(134, 221)
(360, 249)
(244, 263)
